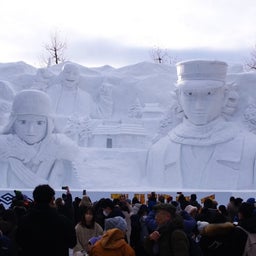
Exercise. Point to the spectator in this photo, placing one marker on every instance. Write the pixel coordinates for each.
(135, 200)
(161, 199)
(64, 205)
(8, 226)
(126, 210)
(152, 200)
(43, 231)
(110, 210)
(224, 213)
(182, 201)
(86, 229)
(209, 213)
(139, 230)
(5, 245)
(169, 238)
(113, 241)
(193, 201)
(77, 212)
(231, 209)
(85, 201)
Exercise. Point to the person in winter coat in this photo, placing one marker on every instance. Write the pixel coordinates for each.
(113, 243)
(226, 238)
(246, 220)
(169, 239)
(43, 231)
(86, 229)
(139, 230)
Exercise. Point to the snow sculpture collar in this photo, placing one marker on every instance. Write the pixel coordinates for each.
(215, 132)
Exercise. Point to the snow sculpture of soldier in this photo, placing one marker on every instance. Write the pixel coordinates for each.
(30, 152)
(204, 151)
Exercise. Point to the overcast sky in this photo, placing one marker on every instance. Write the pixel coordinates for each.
(122, 32)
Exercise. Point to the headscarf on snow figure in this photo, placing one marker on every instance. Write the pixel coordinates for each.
(30, 153)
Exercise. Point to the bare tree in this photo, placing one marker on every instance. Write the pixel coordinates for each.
(56, 49)
(162, 56)
(250, 64)
(159, 55)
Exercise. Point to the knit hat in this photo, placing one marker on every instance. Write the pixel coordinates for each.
(190, 208)
(116, 222)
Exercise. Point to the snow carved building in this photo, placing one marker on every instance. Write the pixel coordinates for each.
(118, 134)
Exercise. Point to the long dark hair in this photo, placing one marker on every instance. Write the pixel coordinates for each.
(84, 210)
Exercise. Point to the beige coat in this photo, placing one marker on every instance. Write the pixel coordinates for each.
(83, 235)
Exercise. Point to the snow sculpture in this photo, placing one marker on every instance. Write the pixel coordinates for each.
(69, 100)
(135, 110)
(43, 79)
(250, 117)
(105, 104)
(30, 152)
(6, 97)
(79, 129)
(204, 151)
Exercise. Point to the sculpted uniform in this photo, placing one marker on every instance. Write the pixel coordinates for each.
(216, 156)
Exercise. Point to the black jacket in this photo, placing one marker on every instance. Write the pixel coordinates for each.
(45, 232)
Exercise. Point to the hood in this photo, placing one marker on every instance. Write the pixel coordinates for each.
(113, 239)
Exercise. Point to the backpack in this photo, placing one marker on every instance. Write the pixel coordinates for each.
(250, 245)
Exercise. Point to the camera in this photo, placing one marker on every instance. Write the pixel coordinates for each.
(64, 187)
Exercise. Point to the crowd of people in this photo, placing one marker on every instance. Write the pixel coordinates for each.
(160, 226)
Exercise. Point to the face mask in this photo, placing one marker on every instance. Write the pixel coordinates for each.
(105, 213)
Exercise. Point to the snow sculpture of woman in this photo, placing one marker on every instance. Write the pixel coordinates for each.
(204, 151)
(30, 152)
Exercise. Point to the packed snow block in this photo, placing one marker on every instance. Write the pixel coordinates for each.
(115, 168)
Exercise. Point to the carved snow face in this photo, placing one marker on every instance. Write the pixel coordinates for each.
(70, 75)
(30, 128)
(202, 103)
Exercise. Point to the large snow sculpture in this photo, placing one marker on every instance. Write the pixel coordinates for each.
(30, 152)
(204, 151)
